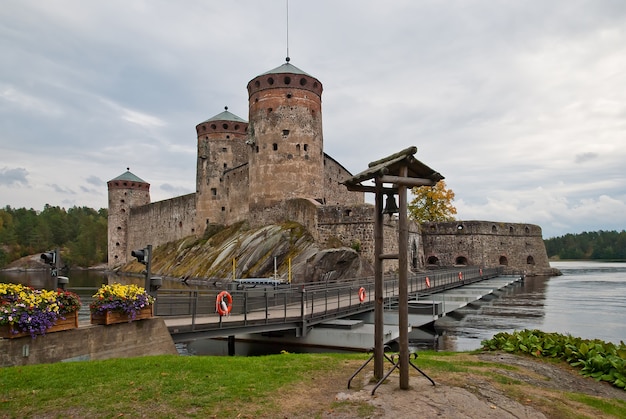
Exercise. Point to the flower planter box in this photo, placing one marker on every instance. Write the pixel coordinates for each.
(70, 322)
(112, 317)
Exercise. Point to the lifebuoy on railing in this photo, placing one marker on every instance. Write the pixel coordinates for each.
(361, 294)
(427, 282)
(223, 303)
(460, 276)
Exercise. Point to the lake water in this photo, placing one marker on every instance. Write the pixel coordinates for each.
(588, 300)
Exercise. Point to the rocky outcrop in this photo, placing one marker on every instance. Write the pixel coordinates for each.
(269, 251)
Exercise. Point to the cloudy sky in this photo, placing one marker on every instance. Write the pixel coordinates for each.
(521, 105)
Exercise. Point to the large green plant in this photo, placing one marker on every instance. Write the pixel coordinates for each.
(595, 358)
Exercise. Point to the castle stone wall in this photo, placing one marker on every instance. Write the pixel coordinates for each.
(519, 247)
(334, 192)
(161, 222)
(236, 189)
(303, 211)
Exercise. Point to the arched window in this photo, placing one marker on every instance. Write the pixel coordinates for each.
(432, 260)
(503, 261)
(530, 260)
(460, 260)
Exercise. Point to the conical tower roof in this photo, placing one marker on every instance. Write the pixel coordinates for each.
(129, 177)
(226, 116)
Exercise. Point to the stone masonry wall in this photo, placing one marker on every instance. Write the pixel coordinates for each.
(91, 342)
(519, 247)
(334, 192)
(161, 222)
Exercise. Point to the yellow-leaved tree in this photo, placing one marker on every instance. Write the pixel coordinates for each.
(432, 203)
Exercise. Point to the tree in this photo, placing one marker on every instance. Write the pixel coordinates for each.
(432, 203)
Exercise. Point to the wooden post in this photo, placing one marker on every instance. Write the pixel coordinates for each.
(403, 297)
(379, 348)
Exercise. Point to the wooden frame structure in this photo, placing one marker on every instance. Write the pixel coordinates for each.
(401, 170)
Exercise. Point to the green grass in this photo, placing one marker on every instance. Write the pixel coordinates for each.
(166, 386)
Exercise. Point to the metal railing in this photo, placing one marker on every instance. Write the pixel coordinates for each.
(298, 306)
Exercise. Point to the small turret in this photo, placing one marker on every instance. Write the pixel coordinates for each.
(125, 191)
(221, 146)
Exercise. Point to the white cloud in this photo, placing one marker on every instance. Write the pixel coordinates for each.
(517, 104)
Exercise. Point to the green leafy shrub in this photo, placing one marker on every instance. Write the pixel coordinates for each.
(595, 358)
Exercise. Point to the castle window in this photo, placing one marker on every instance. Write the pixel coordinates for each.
(306, 147)
(223, 209)
(432, 260)
(347, 212)
(257, 84)
(461, 260)
(275, 146)
(224, 149)
(237, 127)
(503, 260)
(459, 227)
(228, 137)
(122, 201)
(285, 132)
(288, 95)
(269, 110)
(270, 81)
(287, 80)
(527, 230)
(180, 224)
(257, 149)
(530, 260)
(213, 191)
(213, 126)
(225, 165)
(117, 243)
(510, 230)
(119, 228)
(298, 148)
(494, 229)
(225, 126)
(302, 81)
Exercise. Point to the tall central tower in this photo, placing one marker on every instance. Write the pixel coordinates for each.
(285, 136)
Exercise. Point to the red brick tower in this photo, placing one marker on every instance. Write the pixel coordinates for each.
(285, 136)
(125, 191)
(221, 146)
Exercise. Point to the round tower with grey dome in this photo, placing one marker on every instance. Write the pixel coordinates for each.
(125, 191)
(285, 137)
(221, 146)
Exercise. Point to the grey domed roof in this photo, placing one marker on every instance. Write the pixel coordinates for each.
(226, 116)
(128, 176)
(286, 68)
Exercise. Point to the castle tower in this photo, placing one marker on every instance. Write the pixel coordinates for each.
(285, 135)
(221, 146)
(125, 191)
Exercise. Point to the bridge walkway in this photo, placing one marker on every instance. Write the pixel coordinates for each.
(191, 314)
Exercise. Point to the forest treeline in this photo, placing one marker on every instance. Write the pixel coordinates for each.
(80, 233)
(605, 245)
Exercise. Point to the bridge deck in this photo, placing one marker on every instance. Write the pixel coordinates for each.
(192, 316)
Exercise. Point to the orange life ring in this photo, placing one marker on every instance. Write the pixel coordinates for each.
(460, 276)
(361, 294)
(427, 282)
(223, 303)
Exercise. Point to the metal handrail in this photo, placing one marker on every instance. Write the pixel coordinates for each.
(304, 304)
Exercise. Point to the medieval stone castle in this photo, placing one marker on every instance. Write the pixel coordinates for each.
(273, 168)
